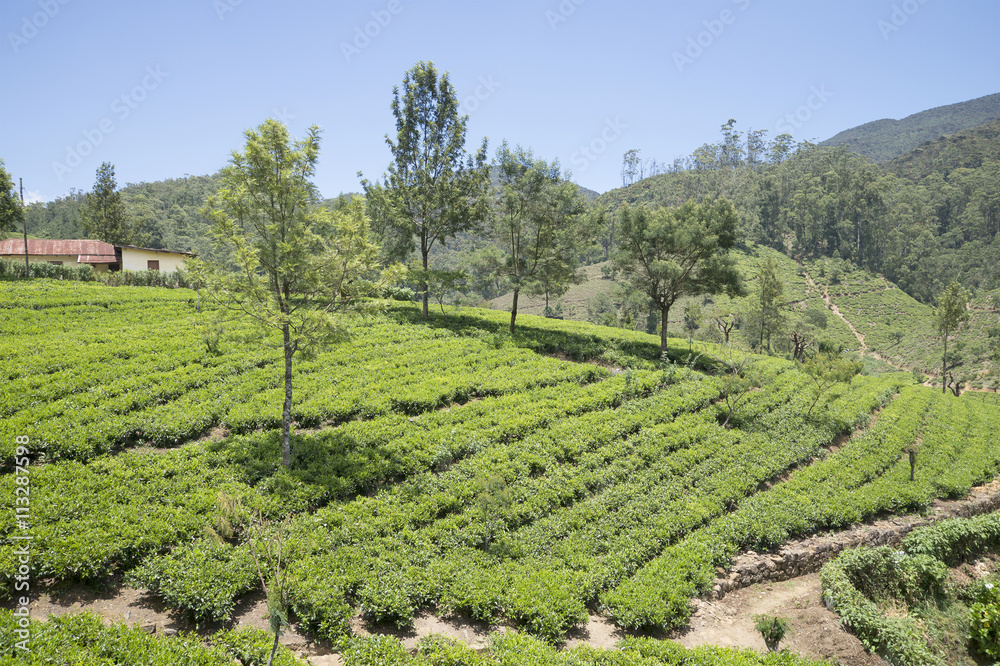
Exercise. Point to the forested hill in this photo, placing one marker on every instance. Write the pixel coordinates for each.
(969, 149)
(921, 230)
(167, 209)
(883, 140)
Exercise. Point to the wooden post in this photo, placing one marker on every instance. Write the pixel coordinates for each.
(24, 225)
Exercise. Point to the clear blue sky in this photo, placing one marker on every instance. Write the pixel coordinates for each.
(165, 88)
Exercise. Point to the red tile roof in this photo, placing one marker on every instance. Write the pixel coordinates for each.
(46, 247)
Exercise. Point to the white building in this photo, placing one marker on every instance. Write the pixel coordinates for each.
(102, 256)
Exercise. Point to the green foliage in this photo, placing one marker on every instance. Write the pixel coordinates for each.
(764, 318)
(860, 583)
(898, 639)
(607, 489)
(546, 603)
(84, 638)
(670, 253)
(772, 629)
(11, 211)
(515, 649)
(432, 189)
(13, 270)
(537, 223)
(296, 263)
(826, 371)
(202, 578)
(104, 214)
(957, 540)
(984, 628)
(252, 647)
(883, 140)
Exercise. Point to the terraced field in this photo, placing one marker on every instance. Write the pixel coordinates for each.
(442, 465)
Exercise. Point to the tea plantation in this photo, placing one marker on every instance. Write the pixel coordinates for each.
(444, 466)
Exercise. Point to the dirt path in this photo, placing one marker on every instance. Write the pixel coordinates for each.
(815, 631)
(835, 310)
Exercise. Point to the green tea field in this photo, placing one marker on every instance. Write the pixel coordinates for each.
(439, 466)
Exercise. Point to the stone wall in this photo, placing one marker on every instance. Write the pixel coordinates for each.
(805, 556)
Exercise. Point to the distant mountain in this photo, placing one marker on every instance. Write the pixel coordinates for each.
(883, 140)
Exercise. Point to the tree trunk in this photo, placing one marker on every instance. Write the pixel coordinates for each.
(944, 365)
(427, 314)
(663, 331)
(513, 309)
(286, 412)
(274, 648)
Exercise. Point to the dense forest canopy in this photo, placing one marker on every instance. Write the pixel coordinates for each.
(922, 221)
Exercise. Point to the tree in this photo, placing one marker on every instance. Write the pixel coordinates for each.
(692, 320)
(725, 320)
(949, 317)
(266, 541)
(433, 189)
(441, 283)
(537, 223)
(764, 307)
(670, 253)
(602, 226)
(11, 211)
(631, 167)
(826, 371)
(297, 264)
(104, 215)
(741, 378)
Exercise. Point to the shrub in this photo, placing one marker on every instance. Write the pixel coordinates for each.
(202, 577)
(772, 629)
(984, 628)
(546, 604)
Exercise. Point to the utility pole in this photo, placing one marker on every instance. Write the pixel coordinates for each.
(24, 225)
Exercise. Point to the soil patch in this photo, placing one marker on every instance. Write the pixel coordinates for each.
(815, 631)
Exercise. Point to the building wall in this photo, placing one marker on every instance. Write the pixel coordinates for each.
(67, 260)
(136, 260)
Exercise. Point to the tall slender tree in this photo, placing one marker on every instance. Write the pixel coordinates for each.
(675, 252)
(537, 223)
(949, 317)
(297, 264)
(764, 308)
(432, 189)
(104, 215)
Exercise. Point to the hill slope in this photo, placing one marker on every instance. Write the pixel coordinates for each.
(440, 466)
(828, 300)
(882, 140)
(973, 148)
